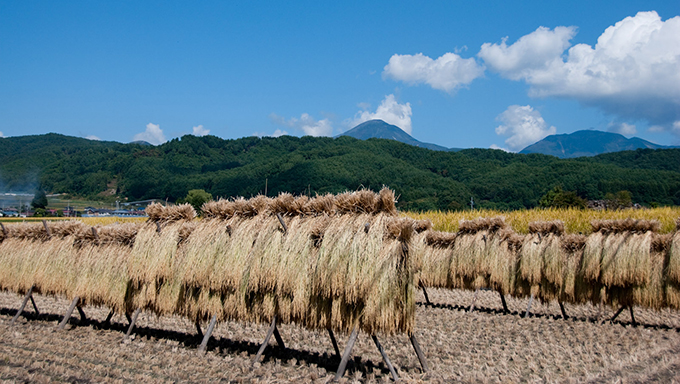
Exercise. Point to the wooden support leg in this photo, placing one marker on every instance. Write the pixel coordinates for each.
(28, 295)
(427, 299)
(617, 313)
(133, 320)
(474, 300)
(385, 358)
(266, 341)
(531, 300)
(335, 343)
(564, 313)
(69, 311)
(419, 353)
(632, 317)
(108, 318)
(278, 338)
(505, 305)
(346, 354)
(199, 332)
(83, 318)
(204, 344)
(35, 307)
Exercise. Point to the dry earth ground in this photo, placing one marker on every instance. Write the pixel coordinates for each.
(481, 346)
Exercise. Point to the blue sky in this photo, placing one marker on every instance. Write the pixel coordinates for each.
(459, 74)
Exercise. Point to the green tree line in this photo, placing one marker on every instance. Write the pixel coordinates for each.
(423, 179)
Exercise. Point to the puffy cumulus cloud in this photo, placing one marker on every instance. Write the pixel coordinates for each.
(536, 51)
(276, 133)
(200, 131)
(390, 111)
(632, 72)
(523, 125)
(2, 134)
(305, 123)
(447, 73)
(153, 135)
(93, 137)
(622, 128)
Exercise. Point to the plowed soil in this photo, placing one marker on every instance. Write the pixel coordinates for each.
(485, 345)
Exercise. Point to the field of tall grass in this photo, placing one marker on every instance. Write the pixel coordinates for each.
(575, 220)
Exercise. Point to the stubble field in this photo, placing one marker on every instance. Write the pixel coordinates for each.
(485, 345)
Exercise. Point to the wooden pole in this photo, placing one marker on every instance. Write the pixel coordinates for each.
(419, 353)
(346, 354)
(427, 299)
(278, 338)
(564, 313)
(385, 358)
(283, 224)
(29, 294)
(474, 300)
(335, 343)
(199, 332)
(505, 305)
(531, 299)
(617, 313)
(108, 317)
(47, 229)
(632, 317)
(83, 318)
(204, 344)
(35, 307)
(133, 320)
(69, 311)
(272, 327)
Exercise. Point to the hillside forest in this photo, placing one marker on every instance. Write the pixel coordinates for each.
(423, 179)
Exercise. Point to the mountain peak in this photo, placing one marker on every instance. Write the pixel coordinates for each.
(381, 130)
(588, 143)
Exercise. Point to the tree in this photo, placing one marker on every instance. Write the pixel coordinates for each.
(558, 198)
(39, 200)
(196, 197)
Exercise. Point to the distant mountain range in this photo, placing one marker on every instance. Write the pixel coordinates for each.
(565, 146)
(381, 130)
(588, 143)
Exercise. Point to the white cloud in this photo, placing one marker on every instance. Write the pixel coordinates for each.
(533, 52)
(200, 131)
(675, 128)
(494, 146)
(153, 135)
(390, 111)
(93, 137)
(447, 73)
(279, 132)
(1, 134)
(632, 72)
(623, 128)
(305, 123)
(523, 125)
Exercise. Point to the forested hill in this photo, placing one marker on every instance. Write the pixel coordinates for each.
(423, 179)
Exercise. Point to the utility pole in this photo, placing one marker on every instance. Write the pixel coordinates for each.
(472, 204)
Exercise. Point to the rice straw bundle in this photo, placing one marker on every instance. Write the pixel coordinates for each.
(436, 260)
(541, 259)
(652, 293)
(574, 288)
(153, 254)
(626, 253)
(482, 257)
(103, 261)
(674, 257)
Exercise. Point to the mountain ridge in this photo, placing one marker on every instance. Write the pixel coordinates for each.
(587, 143)
(379, 129)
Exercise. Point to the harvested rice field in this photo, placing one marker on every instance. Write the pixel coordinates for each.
(485, 345)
